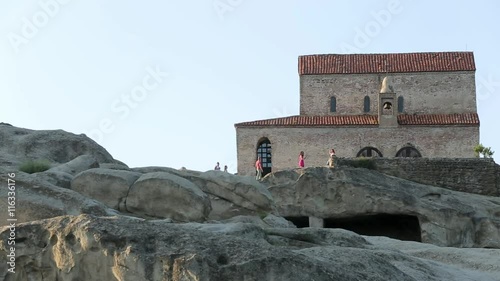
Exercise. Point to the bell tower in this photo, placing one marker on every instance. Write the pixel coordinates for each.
(387, 105)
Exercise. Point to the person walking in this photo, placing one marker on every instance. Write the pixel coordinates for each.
(258, 168)
(301, 159)
(331, 163)
(225, 169)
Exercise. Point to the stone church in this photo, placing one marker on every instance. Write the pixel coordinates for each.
(370, 105)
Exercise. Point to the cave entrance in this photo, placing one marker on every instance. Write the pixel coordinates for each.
(299, 222)
(401, 227)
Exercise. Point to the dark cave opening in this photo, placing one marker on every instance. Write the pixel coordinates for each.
(401, 227)
(299, 222)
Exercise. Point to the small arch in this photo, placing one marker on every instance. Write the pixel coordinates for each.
(401, 104)
(408, 151)
(366, 104)
(369, 151)
(264, 151)
(333, 104)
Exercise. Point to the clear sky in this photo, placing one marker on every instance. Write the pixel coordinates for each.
(163, 82)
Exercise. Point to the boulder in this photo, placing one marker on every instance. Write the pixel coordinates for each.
(123, 248)
(114, 166)
(36, 199)
(231, 195)
(108, 186)
(278, 222)
(364, 200)
(18, 145)
(77, 165)
(164, 195)
(242, 191)
(63, 174)
(57, 178)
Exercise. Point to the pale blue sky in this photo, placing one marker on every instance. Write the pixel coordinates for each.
(235, 63)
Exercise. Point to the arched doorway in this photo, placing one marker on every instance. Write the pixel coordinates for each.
(369, 151)
(264, 151)
(408, 151)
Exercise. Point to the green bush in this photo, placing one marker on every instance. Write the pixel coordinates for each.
(366, 163)
(34, 166)
(486, 152)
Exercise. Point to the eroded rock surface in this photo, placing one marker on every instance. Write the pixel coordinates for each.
(165, 195)
(36, 199)
(443, 217)
(123, 248)
(108, 186)
(230, 195)
(57, 146)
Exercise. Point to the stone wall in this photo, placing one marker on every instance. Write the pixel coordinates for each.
(286, 143)
(423, 93)
(472, 175)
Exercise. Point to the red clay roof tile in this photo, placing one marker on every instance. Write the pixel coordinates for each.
(439, 119)
(382, 63)
(363, 120)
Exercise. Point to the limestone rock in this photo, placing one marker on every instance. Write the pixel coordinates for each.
(230, 195)
(122, 248)
(57, 178)
(114, 166)
(270, 221)
(108, 186)
(18, 145)
(278, 222)
(37, 199)
(63, 174)
(77, 165)
(243, 191)
(343, 195)
(164, 195)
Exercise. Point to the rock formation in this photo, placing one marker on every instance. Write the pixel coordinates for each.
(57, 146)
(443, 217)
(91, 217)
(122, 248)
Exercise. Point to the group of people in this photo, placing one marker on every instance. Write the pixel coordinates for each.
(330, 163)
(217, 167)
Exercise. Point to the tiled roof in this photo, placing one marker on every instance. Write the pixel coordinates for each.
(386, 63)
(310, 121)
(439, 119)
(363, 120)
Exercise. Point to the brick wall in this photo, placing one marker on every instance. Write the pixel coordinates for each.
(472, 175)
(286, 143)
(423, 93)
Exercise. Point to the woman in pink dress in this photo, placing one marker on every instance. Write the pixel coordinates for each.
(301, 159)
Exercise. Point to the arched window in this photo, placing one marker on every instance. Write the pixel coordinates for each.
(369, 151)
(401, 104)
(366, 104)
(408, 151)
(264, 151)
(333, 104)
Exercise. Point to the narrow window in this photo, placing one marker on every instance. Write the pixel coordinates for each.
(366, 107)
(400, 104)
(264, 151)
(333, 104)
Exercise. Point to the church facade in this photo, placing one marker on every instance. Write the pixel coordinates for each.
(370, 105)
